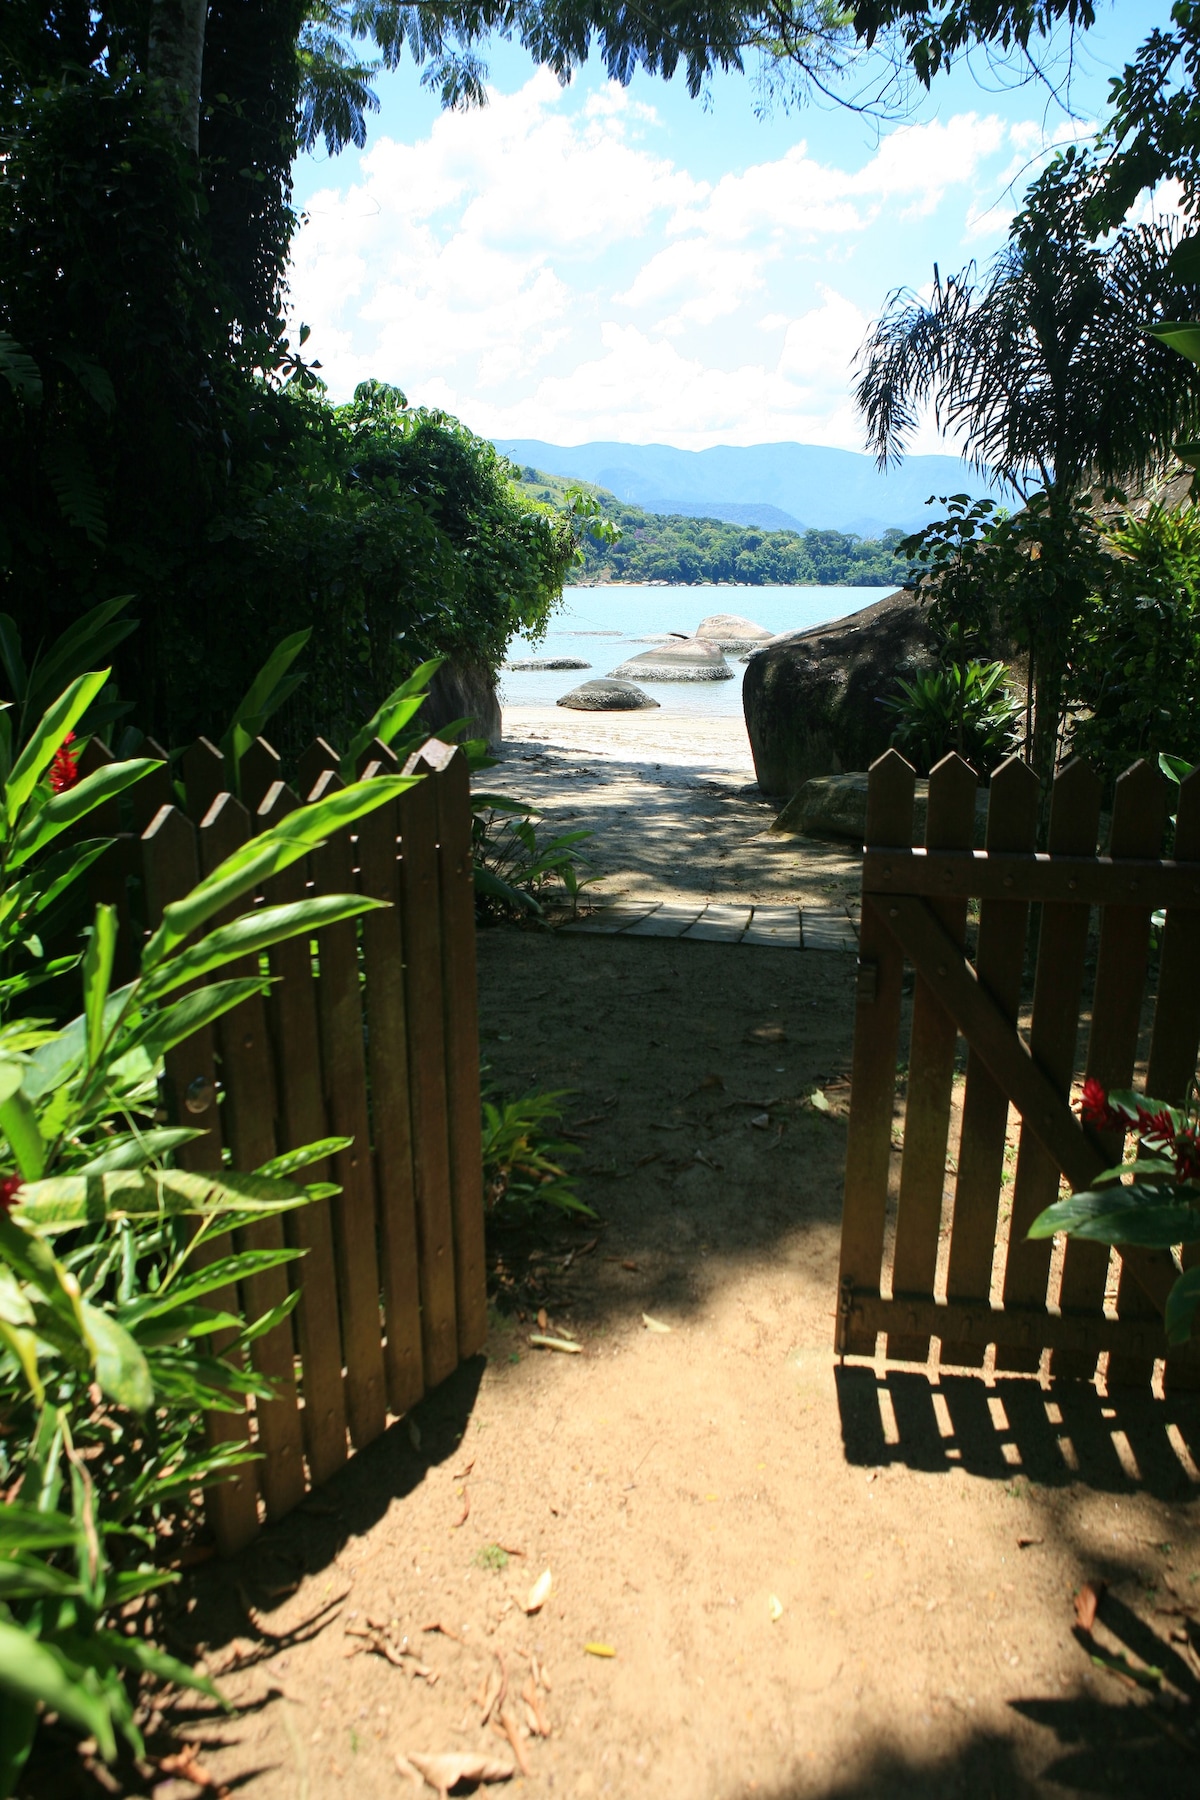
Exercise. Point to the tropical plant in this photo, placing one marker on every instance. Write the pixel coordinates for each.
(964, 707)
(1158, 1206)
(106, 1312)
(515, 872)
(1134, 672)
(523, 1163)
(1044, 371)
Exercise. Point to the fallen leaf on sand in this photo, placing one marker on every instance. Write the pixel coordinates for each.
(539, 1593)
(599, 1650)
(1025, 1543)
(540, 1342)
(187, 1765)
(774, 1608)
(543, 1321)
(492, 1693)
(653, 1324)
(447, 1770)
(631, 1266)
(466, 1510)
(817, 1099)
(708, 1081)
(461, 1474)
(1087, 1603)
(508, 1725)
(533, 1700)
(446, 1630)
(761, 1121)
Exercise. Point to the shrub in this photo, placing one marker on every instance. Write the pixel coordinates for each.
(963, 707)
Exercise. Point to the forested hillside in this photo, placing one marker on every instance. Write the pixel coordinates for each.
(674, 548)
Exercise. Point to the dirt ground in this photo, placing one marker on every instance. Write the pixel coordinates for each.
(803, 1580)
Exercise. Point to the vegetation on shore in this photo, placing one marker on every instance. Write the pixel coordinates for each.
(676, 548)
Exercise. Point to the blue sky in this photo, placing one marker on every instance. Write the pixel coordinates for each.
(607, 262)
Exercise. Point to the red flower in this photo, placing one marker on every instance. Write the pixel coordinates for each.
(10, 1187)
(1156, 1125)
(64, 770)
(1187, 1154)
(1094, 1109)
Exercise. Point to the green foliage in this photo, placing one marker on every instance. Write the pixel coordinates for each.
(107, 1321)
(515, 871)
(621, 542)
(964, 707)
(1135, 659)
(1152, 1202)
(523, 1164)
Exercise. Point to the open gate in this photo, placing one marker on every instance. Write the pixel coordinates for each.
(994, 1287)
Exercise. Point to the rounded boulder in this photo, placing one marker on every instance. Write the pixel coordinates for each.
(607, 695)
(729, 631)
(550, 662)
(684, 659)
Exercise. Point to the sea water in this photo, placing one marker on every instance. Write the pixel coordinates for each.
(603, 626)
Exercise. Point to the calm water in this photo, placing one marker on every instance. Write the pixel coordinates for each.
(602, 625)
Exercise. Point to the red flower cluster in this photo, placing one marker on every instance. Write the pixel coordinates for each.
(10, 1187)
(1156, 1129)
(64, 770)
(1094, 1109)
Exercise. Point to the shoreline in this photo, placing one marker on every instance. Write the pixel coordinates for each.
(659, 739)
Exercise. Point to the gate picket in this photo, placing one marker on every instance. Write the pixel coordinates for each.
(1054, 1030)
(1139, 815)
(873, 1074)
(950, 825)
(999, 960)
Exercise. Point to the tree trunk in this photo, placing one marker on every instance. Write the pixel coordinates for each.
(176, 59)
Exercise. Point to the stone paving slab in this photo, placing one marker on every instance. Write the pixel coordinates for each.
(668, 920)
(773, 927)
(721, 924)
(827, 931)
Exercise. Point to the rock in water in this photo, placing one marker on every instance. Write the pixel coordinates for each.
(684, 659)
(550, 662)
(729, 631)
(606, 695)
(811, 698)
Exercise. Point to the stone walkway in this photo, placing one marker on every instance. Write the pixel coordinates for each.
(779, 927)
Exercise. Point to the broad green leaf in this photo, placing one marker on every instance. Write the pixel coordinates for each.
(25, 1528)
(20, 370)
(292, 1161)
(136, 1653)
(74, 803)
(185, 1322)
(11, 657)
(121, 1367)
(264, 696)
(265, 856)
(81, 1199)
(135, 1152)
(19, 1123)
(88, 642)
(162, 1031)
(394, 714)
(47, 738)
(1182, 335)
(1182, 1301)
(97, 973)
(28, 1578)
(53, 877)
(266, 1323)
(214, 1276)
(36, 1671)
(1141, 1215)
(16, 1308)
(248, 935)
(24, 1345)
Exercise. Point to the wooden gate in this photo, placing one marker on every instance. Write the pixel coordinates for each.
(375, 1038)
(959, 1271)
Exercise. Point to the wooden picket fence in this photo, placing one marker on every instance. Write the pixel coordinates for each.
(991, 1286)
(376, 1040)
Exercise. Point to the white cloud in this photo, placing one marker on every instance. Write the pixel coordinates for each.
(538, 268)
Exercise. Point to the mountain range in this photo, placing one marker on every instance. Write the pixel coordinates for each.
(774, 487)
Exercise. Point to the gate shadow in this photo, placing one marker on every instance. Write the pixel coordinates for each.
(1067, 1432)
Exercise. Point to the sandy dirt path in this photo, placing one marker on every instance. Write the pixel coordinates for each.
(817, 1583)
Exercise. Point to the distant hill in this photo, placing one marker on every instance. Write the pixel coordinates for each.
(684, 547)
(772, 486)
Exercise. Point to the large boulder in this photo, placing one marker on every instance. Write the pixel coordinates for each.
(683, 659)
(550, 662)
(836, 806)
(729, 631)
(606, 695)
(811, 698)
(464, 690)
